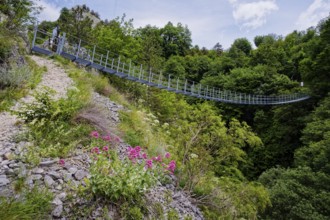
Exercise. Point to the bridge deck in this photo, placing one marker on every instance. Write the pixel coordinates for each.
(179, 86)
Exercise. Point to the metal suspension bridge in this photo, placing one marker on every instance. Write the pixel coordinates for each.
(88, 55)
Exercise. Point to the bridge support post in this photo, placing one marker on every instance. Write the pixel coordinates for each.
(169, 81)
(93, 53)
(118, 64)
(185, 86)
(61, 43)
(140, 72)
(129, 68)
(35, 34)
(160, 78)
(149, 78)
(78, 49)
(106, 60)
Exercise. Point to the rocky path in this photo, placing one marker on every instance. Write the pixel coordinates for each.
(62, 179)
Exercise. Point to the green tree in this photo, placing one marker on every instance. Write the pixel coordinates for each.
(316, 138)
(243, 45)
(315, 67)
(151, 44)
(176, 39)
(175, 66)
(18, 13)
(297, 193)
(76, 23)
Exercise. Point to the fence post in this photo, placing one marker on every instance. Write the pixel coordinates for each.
(140, 72)
(78, 49)
(93, 53)
(106, 60)
(35, 34)
(185, 86)
(193, 87)
(118, 64)
(149, 78)
(60, 44)
(169, 81)
(160, 78)
(129, 68)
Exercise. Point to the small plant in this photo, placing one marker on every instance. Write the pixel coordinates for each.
(158, 211)
(172, 215)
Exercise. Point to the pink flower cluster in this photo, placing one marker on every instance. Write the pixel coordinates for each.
(134, 153)
(171, 166)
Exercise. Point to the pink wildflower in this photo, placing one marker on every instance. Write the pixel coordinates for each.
(117, 139)
(158, 158)
(167, 155)
(96, 150)
(134, 153)
(107, 137)
(171, 166)
(138, 148)
(149, 164)
(95, 134)
(105, 148)
(144, 156)
(61, 162)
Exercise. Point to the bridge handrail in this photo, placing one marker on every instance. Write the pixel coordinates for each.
(77, 51)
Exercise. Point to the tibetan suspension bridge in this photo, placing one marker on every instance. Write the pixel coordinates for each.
(84, 54)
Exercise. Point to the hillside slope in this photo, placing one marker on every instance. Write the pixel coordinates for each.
(65, 177)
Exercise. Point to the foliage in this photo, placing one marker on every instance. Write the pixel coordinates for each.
(117, 180)
(243, 45)
(316, 138)
(18, 13)
(297, 193)
(32, 204)
(176, 39)
(51, 125)
(75, 22)
(124, 181)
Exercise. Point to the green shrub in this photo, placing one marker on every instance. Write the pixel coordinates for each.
(51, 124)
(172, 215)
(132, 213)
(119, 180)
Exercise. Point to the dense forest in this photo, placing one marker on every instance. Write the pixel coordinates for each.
(236, 161)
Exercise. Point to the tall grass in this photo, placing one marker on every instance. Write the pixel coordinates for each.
(16, 82)
(30, 205)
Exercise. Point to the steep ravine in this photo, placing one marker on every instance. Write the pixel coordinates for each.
(62, 180)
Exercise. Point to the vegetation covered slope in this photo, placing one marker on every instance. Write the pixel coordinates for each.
(228, 155)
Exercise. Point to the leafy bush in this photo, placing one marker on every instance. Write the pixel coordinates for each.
(51, 126)
(125, 181)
